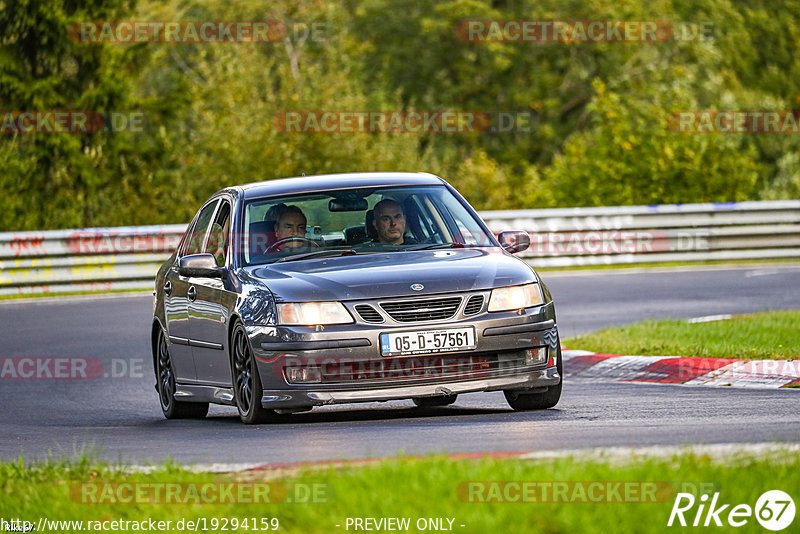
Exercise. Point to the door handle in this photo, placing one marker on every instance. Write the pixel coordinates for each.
(168, 288)
(192, 294)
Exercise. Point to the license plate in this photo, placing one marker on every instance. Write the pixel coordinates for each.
(427, 341)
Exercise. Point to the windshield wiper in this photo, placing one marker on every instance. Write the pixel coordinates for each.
(438, 245)
(319, 253)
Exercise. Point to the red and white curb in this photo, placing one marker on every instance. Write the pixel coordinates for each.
(765, 374)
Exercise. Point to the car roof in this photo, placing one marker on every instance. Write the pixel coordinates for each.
(331, 182)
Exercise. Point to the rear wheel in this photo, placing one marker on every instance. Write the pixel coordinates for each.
(430, 402)
(246, 380)
(521, 401)
(165, 375)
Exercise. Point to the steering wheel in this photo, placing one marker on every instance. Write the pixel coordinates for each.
(274, 247)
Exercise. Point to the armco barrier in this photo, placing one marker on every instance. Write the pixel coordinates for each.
(90, 259)
(647, 234)
(127, 257)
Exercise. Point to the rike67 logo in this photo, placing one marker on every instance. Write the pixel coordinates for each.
(774, 510)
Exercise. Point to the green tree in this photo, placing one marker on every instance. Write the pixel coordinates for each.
(60, 179)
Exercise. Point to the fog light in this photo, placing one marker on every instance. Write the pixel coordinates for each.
(536, 356)
(303, 375)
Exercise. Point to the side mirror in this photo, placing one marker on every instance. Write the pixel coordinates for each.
(514, 241)
(201, 265)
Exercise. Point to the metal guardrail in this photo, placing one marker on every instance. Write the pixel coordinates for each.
(663, 233)
(90, 259)
(99, 259)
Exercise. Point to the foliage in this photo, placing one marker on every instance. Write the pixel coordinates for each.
(598, 131)
(629, 157)
(623, 490)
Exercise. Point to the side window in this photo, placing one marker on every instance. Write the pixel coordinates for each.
(217, 242)
(197, 236)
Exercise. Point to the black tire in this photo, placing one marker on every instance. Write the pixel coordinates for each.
(165, 386)
(246, 380)
(430, 402)
(521, 401)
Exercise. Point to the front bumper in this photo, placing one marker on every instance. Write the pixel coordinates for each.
(534, 380)
(496, 363)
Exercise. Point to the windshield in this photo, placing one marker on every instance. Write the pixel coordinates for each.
(357, 221)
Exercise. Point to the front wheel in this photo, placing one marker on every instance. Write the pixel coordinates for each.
(165, 375)
(521, 401)
(246, 380)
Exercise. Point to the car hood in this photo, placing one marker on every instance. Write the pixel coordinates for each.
(392, 274)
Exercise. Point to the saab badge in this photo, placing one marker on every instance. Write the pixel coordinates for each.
(417, 287)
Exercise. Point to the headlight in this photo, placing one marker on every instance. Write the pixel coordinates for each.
(313, 313)
(516, 297)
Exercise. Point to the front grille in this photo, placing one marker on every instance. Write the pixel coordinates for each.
(417, 310)
(369, 314)
(474, 305)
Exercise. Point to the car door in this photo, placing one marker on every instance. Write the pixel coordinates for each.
(177, 297)
(209, 308)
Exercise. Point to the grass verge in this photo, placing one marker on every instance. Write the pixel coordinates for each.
(759, 336)
(428, 487)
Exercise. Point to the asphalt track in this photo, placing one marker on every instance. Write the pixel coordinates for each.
(118, 418)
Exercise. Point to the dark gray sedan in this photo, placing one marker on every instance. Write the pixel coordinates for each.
(294, 293)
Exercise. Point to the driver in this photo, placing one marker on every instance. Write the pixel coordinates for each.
(390, 223)
(291, 223)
